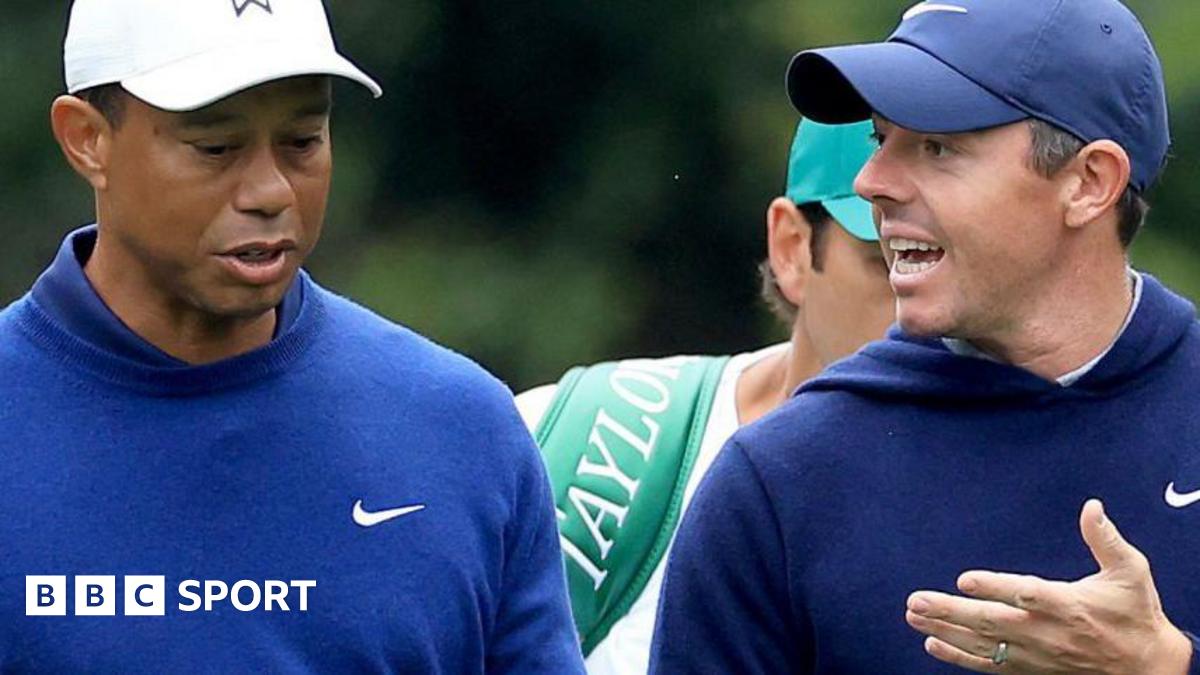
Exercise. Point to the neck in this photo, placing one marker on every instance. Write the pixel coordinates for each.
(185, 333)
(768, 383)
(1069, 325)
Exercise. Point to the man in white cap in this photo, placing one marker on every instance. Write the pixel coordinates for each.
(209, 461)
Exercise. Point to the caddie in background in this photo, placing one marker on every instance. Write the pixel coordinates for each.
(626, 443)
(1033, 372)
(208, 461)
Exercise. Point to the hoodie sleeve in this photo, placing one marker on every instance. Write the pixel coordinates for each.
(1194, 665)
(725, 605)
(534, 632)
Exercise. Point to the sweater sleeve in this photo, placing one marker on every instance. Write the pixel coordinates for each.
(725, 603)
(534, 632)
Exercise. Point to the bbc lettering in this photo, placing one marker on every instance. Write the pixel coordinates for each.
(96, 595)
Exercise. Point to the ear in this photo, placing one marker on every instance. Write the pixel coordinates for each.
(789, 248)
(1096, 178)
(84, 136)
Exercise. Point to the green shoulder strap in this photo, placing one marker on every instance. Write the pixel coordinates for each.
(620, 440)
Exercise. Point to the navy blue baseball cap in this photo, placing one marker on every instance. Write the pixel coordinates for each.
(1084, 66)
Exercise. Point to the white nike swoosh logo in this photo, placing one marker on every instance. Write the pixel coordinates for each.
(1181, 500)
(917, 10)
(365, 518)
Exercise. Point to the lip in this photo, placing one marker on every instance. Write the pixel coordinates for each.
(278, 245)
(270, 271)
(888, 231)
(907, 284)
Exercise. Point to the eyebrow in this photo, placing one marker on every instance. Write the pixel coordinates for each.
(205, 119)
(961, 139)
(314, 109)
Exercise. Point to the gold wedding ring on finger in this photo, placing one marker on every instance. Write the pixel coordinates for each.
(1000, 655)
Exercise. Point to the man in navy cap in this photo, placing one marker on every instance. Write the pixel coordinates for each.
(1032, 371)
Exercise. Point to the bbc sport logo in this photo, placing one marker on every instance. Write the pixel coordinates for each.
(146, 595)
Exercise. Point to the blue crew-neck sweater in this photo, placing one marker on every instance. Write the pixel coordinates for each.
(905, 465)
(120, 466)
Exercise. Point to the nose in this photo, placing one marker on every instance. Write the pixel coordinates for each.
(882, 178)
(264, 189)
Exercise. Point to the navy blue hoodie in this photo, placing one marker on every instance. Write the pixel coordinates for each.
(905, 465)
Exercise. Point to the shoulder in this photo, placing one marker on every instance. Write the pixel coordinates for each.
(1191, 342)
(10, 317)
(384, 350)
(411, 385)
(816, 436)
(17, 333)
(806, 416)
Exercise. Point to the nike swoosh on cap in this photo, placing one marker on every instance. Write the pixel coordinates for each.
(365, 518)
(924, 7)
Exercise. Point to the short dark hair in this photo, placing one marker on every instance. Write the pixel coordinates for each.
(108, 99)
(819, 219)
(1052, 148)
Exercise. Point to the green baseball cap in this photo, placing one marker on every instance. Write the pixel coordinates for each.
(824, 161)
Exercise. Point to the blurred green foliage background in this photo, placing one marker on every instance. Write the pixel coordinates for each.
(551, 182)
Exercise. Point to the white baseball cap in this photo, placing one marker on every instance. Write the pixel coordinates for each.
(185, 54)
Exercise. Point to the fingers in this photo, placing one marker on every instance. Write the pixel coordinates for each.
(990, 620)
(963, 639)
(957, 645)
(1053, 623)
(1108, 547)
(1022, 591)
(944, 651)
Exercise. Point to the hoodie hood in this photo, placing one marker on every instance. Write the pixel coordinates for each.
(902, 366)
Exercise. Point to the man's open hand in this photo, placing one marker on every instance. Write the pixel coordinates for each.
(1109, 622)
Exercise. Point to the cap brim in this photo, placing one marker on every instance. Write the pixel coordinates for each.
(900, 82)
(854, 215)
(204, 79)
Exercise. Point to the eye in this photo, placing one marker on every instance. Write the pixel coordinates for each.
(212, 150)
(303, 143)
(937, 148)
(877, 138)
